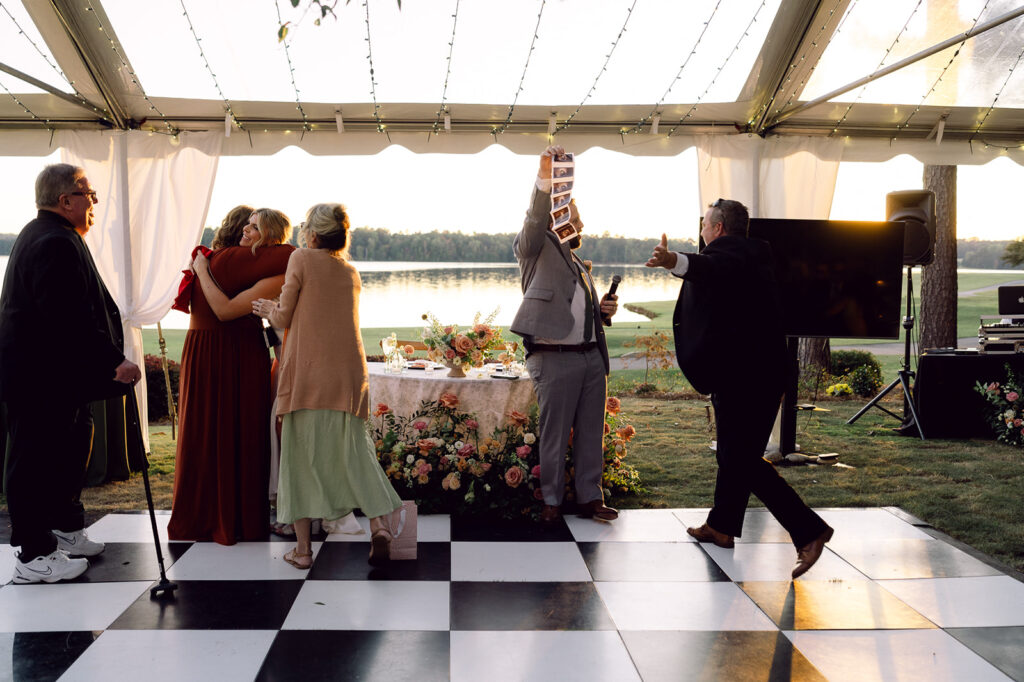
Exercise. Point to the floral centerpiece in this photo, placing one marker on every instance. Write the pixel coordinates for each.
(1006, 408)
(438, 457)
(459, 349)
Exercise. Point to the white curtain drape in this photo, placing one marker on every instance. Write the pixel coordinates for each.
(154, 193)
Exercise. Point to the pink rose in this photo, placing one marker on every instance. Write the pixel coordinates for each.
(523, 451)
(513, 477)
(447, 330)
(1012, 396)
(444, 460)
(538, 494)
(992, 387)
(467, 450)
(449, 354)
(1018, 422)
(419, 425)
(536, 471)
(472, 424)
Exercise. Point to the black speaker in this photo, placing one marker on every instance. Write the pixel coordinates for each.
(916, 209)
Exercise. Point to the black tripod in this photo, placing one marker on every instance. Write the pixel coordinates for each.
(905, 375)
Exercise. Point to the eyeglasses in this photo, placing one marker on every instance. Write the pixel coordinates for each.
(93, 197)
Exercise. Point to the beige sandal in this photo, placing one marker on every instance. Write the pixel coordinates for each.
(293, 556)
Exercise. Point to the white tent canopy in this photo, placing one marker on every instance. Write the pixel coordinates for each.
(772, 93)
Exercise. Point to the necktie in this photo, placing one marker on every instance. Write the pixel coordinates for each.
(588, 317)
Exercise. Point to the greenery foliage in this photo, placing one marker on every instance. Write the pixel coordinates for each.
(437, 457)
(866, 380)
(655, 349)
(845, 361)
(156, 386)
(1006, 408)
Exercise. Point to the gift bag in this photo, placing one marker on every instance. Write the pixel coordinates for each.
(402, 523)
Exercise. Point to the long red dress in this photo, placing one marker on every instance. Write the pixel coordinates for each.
(222, 463)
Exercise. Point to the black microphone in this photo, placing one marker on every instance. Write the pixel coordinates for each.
(611, 292)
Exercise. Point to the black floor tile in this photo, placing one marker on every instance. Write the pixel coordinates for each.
(728, 655)
(127, 561)
(357, 655)
(347, 561)
(1001, 647)
(494, 530)
(527, 606)
(214, 605)
(41, 656)
(615, 561)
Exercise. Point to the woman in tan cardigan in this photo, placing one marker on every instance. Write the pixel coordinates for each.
(328, 462)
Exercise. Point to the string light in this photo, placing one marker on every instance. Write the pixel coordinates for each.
(996, 99)
(209, 69)
(842, 119)
(942, 73)
(604, 67)
(105, 115)
(43, 122)
(373, 77)
(533, 41)
(796, 90)
(442, 111)
(735, 47)
(654, 110)
(291, 69)
(128, 69)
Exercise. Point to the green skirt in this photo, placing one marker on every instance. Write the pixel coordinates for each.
(329, 468)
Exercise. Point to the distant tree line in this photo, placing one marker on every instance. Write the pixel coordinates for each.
(380, 244)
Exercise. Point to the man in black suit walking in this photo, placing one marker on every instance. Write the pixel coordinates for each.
(61, 347)
(730, 344)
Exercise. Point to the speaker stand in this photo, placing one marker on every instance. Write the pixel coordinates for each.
(910, 422)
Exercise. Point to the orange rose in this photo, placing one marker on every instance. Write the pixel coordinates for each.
(425, 445)
(626, 433)
(408, 349)
(462, 344)
(449, 400)
(612, 405)
(382, 409)
(517, 418)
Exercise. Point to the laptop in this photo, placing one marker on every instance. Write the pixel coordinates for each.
(1011, 300)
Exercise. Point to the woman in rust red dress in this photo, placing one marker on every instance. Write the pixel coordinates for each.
(223, 457)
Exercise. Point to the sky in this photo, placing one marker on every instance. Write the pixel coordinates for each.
(489, 191)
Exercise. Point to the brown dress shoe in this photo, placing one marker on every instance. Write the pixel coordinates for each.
(706, 533)
(550, 514)
(807, 555)
(596, 509)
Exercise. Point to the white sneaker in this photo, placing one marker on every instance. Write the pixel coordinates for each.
(55, 566)
(77, 543)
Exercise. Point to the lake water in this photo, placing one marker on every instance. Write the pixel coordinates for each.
(397, 294)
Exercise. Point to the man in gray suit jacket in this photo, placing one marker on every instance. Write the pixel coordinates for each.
(560, 322)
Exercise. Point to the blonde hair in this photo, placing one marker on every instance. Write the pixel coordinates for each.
(329, 222)
(274, 227)
(230, 230)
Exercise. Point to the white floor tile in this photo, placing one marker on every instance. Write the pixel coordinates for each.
(518, 562)
(65, 606)
(173, 655)
(870, 655)
(242, 561)
(991, 601)
(429, 528)
(888, 559)
(370, 605)
(877, 524)
(8, 555)
(651, 561)
(633, 525)
(758, 525)
(128, 528)
(774, 562)
(591, 656)
(681, 606)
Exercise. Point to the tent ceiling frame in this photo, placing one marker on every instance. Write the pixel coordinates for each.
(77, 101)
(927, 52)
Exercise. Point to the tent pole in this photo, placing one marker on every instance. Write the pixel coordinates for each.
(938, 47)
(77, 101)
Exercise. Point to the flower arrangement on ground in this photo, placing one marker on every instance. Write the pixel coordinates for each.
(1006, 411)
(438, 457)
(839, 390)
(470, 347)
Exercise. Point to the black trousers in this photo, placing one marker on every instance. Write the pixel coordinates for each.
(48, 454)
(744, 423)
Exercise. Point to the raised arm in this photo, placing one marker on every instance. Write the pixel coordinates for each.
(531, 238)
(239, 306)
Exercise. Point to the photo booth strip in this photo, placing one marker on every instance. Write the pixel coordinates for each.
(563, 173)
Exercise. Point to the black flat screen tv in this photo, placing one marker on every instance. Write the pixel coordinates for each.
(837, 278)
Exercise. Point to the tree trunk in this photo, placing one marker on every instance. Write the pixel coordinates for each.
(938, 280)
(815, 357)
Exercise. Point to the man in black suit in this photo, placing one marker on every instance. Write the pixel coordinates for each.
(61, 347)
(730, 344)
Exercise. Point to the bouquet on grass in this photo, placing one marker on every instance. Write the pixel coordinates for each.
(1005, 408)
(456, 347)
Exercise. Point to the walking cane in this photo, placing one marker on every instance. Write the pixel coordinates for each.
(165, 585)
(171, 409)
